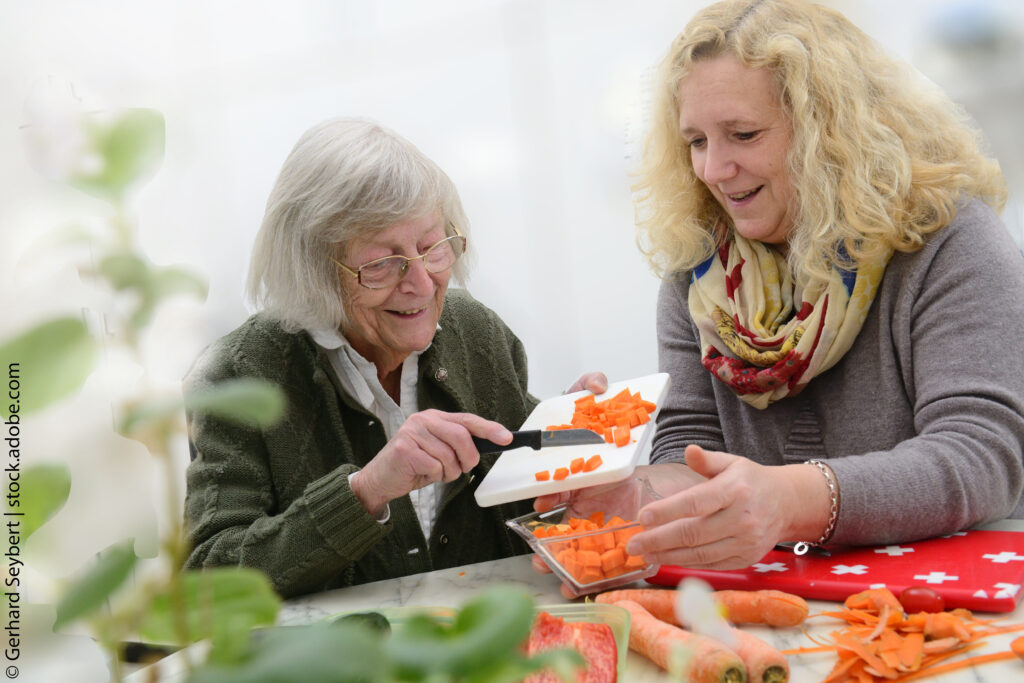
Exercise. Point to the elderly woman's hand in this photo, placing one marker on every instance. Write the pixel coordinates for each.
(430, 446)
(734, 517)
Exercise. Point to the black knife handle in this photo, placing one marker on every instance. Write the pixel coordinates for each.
(529, 438)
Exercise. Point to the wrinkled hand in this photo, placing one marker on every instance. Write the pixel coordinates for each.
(623, 498)
(728, 521)
(594, 382)
(430, 446)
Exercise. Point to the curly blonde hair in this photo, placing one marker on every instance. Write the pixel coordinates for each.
(880, 157)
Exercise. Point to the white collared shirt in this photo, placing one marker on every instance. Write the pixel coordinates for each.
(358, 377)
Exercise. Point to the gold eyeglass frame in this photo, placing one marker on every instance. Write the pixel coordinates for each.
(357, 273)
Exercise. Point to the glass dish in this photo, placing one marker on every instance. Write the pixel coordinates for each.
(591, 557)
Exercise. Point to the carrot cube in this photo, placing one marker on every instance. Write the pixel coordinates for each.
(576, 465)
(611, 559)
(621, 436)
(634, 562)
(543, 475)
(561, 473)
(597, 517)
(592, 463)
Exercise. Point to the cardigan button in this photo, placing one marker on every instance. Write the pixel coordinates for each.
(443, 539)
(441, 375)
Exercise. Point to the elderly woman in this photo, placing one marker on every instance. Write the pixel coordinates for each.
(842, 310)
(387, 373)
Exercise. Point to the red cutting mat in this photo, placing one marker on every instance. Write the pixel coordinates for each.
(976, 569)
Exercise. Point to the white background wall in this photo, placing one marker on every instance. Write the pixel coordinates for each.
(531, 106)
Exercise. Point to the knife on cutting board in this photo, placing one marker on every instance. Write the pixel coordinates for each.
(541, 438)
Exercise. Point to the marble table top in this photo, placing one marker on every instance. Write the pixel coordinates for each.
(451, 587)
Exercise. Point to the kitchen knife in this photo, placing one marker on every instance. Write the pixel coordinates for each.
(541, 438)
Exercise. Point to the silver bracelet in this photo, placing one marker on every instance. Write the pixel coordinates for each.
(833, 493)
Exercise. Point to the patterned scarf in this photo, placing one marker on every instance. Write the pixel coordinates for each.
(762, 335)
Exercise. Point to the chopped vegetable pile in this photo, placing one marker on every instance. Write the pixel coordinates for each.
(881, 642)
(613, 417)
(588, 556)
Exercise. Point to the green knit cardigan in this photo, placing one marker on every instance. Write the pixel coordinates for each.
(277, 499)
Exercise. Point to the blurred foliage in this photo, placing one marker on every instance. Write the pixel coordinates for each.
(44, 490)
(89, 591)
(131, 145)
(216, 601)
(52, 361)
(481, 644)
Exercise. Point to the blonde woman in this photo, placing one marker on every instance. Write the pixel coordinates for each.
(842, 311)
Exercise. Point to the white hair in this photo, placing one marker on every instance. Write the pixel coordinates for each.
(345, 178)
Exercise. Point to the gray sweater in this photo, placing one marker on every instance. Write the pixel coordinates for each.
(923, 418)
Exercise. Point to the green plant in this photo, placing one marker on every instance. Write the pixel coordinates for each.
(227, 606)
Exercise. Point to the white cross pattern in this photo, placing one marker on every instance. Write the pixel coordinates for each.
(935, 577)
(763, 568)
(1005, 557)
(894, 550)
(1007, 590)
(841, 569)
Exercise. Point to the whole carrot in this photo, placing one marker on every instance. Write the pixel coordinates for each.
(709, 660)
(764, 663)
(660, 602)
(771, 607)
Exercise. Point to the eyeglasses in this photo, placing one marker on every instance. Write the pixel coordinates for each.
(389, 270)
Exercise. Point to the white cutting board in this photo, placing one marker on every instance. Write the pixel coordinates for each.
(512, 477)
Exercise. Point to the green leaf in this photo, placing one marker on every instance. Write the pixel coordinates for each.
(321, 653)
(131, 146)
(144, 413)
(45, 364)
(43, 492)
(89, 591)
(226, 601)
(488, 628)
(175, 280)
(245, 401)
(125, 270)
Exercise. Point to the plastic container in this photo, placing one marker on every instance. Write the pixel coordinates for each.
(591, 561)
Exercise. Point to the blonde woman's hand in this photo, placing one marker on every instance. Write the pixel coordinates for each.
(430, 446)
(594, 382)
(729, 521)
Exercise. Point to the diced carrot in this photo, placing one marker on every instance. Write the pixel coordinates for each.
(576, 465)
(561, 473)
(543, 475)
(592, 463)
(597, 518)
(621, 435)
(611, 559)
(625, 409)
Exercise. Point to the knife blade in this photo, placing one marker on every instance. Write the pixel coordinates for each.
(541, 438)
